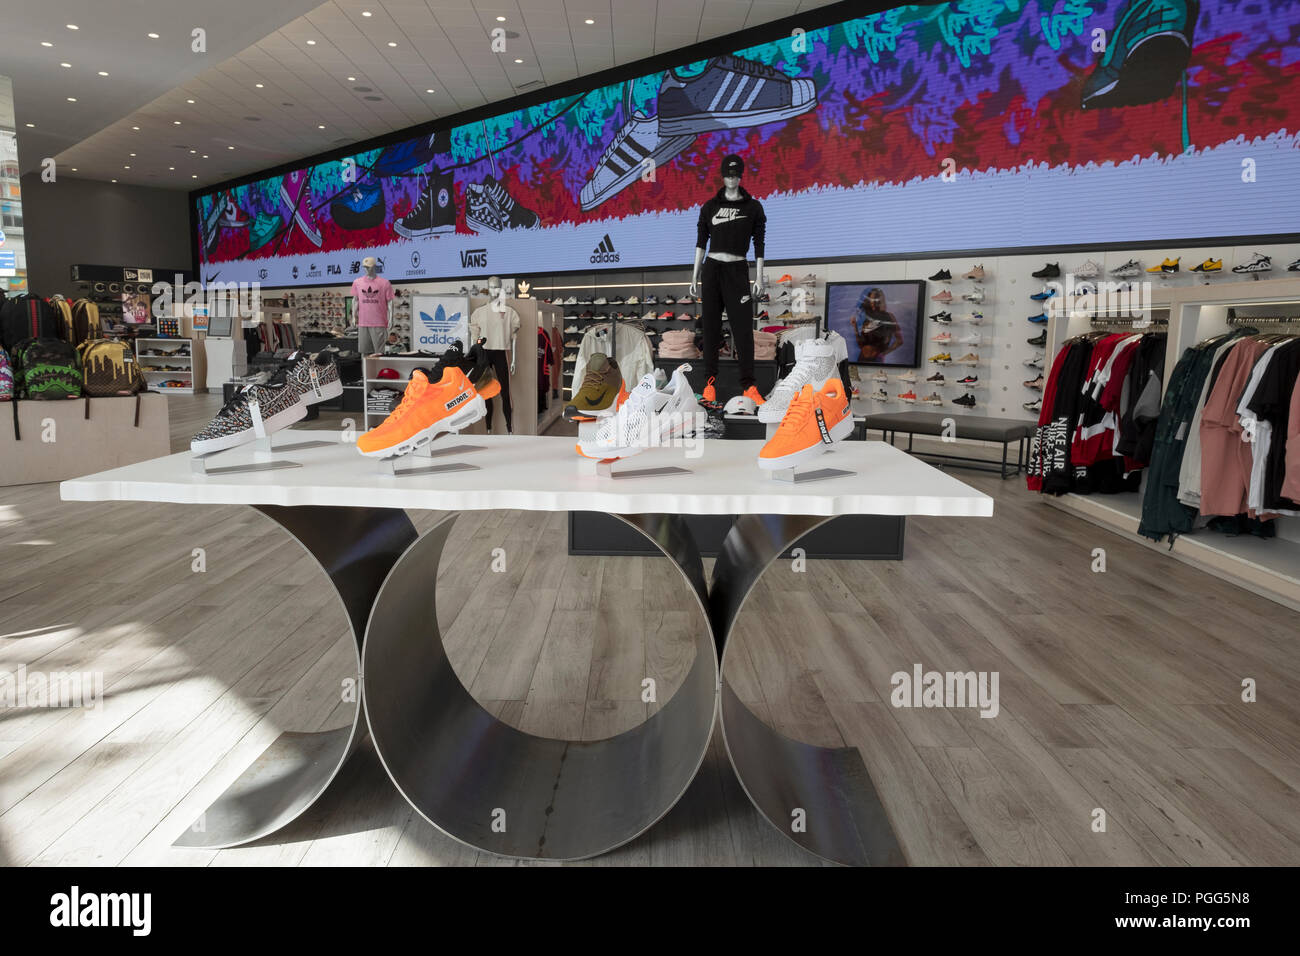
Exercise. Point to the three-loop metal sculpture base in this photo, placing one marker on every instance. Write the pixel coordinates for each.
(498, 789)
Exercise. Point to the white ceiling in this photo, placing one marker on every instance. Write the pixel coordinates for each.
(443, 45)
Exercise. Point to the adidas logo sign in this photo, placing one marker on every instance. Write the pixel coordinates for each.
(605, 251)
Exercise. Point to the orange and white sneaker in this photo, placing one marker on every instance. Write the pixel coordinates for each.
(909, 397)
(815, 420)
(754, 395)
(710, 394)
(426, 411)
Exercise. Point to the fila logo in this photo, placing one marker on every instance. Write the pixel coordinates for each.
(605, 252)
(473, 257)
(457, 400)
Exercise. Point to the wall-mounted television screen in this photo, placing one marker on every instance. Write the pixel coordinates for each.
(881, 321)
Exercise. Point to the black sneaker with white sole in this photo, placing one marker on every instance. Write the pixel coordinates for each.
(1261, 263)
(1040, 339)
(967, 400)
(434, 214)
(254, 412)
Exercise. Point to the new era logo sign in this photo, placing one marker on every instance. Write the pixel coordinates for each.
(605, 251)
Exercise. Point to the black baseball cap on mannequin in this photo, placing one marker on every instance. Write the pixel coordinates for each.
(733, 165)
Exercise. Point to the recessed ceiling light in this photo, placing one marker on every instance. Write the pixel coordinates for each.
(320, 127)
(392, 43)
(365, 13)
(194, 176)
(133, 154)
(115, 180)
(589, 22)
(103, 73)
(135, 128)
(428, 91)
(31, 126)
(66, 66)
(73, 26)
(519, 61)
(352, 79)
(176, 122)
(501, 19)
(74, 169)
(72, 99)
(126, 167)
(172, 168)
(46, 43)
(230, 147)
(189, 101)
(193, 151)
(205, 155)
(311, 42)
(258, 85)
(152, 36)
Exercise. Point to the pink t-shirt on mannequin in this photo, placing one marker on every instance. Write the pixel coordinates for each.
(373, 296)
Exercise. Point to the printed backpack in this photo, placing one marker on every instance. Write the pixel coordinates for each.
(108, 368)
(6, 378)
(63, 318)
(85, 321)
(46, 369)
(26, 317)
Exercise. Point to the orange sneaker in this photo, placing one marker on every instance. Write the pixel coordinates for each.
(425, 412)
(814, 421)
(754, 396)
(785, 278)
(710, 394)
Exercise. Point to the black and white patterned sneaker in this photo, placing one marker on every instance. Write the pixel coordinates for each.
(315, 377)
(254, 412)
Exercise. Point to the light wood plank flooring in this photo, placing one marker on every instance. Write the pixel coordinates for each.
(1119, 691)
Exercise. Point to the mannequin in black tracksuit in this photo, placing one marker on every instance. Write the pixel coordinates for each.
(727, 223)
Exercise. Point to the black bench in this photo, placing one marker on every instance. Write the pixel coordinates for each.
(973, 427)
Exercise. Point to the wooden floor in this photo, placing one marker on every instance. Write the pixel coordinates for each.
(1119, 691)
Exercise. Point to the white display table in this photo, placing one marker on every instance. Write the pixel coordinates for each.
(459, 766)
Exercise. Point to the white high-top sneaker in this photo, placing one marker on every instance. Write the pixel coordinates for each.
(814, 364)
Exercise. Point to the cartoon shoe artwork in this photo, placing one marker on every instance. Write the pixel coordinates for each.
(361, 207)
(295, 191)
(1146, 55)
(427, 410)
(492, 208)
(650, 417)
(232, 217)
(624, 160)
(253, 412)
(434, 214)
(602, 388)
(728, 94)
(212, 222)
(815, 420)
(265, 228)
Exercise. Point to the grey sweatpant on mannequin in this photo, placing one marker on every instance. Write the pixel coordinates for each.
(371, 339)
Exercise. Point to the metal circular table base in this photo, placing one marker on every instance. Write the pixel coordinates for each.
(356, 548)
(496, 788)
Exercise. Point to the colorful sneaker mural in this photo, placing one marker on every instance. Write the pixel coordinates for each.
(982, 124)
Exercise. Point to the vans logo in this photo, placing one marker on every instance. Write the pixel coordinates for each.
(463, 396)
(605, 252)
(476, 258)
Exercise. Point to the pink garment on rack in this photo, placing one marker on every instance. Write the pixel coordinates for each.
(1226, 460)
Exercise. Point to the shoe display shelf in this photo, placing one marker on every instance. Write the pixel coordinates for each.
(158, 369)
(371, 365)
(452, 759)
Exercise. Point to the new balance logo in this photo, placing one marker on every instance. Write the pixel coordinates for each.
(605, 251)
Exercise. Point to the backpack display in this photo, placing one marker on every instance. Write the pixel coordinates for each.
(26, 317)
(85, 321)
(46, 369)
(63, 318)
(6, 377)
(108, 368)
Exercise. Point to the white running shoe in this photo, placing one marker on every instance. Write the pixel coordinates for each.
(814, 364)
(909, 377)
(1089, 270)
(972, 339)
(648, 418)
(600, 300)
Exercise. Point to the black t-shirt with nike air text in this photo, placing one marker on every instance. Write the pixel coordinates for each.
(730, 225)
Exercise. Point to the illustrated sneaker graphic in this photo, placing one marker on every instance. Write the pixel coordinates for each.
(943, 317)
(489, 206)
(967, 400)
(943, 275)
(253, 412)
(602, 388)
(1089, 270)
(968, 380)
(212, 223)
(361, 207)
(1213, 265)
(814, 364)
(934, 398)
(1050, 271)
(1261, 263)
(295, 191)
(638, 146)
(730, 93)
(815, 420)
(1035, 383)
(232, 217)
(427, 410)
(1043, 296)
(1148, 51)
(434, 214)
(945, 297)
(1130, 268)
(265, 228)
(649, 418)
(908, 396)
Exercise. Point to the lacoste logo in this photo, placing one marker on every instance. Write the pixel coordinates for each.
(605, 252)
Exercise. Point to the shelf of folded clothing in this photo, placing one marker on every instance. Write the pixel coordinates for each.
(1269, 567)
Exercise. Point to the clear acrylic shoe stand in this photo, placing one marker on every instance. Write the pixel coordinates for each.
(794, 476)
(606, 468)
(264, 451)
(429, 451)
